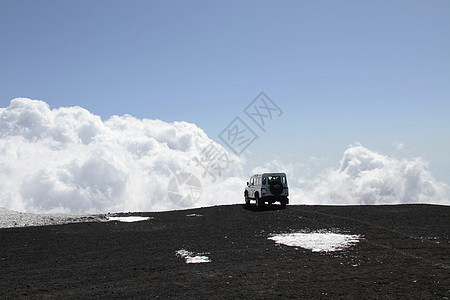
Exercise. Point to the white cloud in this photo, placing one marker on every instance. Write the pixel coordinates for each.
(367, 177)
(69, 160)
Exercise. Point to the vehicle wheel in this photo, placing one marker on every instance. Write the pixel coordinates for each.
(283, 202)
(276, 187)
(247, 200)
(259, 202)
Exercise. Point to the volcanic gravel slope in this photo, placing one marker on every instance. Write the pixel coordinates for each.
(404, 252)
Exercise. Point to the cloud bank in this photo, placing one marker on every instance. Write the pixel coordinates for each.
(69, 160)
(367, 177)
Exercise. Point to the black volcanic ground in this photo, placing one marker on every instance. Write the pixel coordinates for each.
(404, 253)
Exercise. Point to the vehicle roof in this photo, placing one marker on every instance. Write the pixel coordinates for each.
(270, 174)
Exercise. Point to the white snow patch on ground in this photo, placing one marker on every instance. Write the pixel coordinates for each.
(197, 259)
(10, 218)
(317, 241)
(129, 219)
(190, 258)
(194, 215)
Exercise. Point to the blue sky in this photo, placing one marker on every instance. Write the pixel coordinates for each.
(374, 72)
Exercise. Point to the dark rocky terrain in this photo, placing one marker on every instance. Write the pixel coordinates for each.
(404, 253)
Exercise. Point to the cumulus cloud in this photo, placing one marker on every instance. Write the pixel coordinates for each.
(367, 177)
(67, 159)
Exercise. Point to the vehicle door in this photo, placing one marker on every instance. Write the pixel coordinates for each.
(251, 188)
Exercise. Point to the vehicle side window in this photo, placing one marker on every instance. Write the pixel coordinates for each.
(252, 180)
(283, 180)
(264, 180)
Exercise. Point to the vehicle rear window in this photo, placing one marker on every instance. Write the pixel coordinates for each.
(276, 178)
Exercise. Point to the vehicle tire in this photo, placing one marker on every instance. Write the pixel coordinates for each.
(276, 187)
(259, 202)
(247, 199)
(283, 202)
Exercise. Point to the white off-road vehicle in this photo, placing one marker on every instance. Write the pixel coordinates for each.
(267, 187)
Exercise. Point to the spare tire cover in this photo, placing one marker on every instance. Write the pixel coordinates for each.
(276, 187)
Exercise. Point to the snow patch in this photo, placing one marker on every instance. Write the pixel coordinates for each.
(190, 258)
(10, 218)
(317, 241)
(129, 219)
(197, 259)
